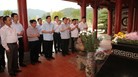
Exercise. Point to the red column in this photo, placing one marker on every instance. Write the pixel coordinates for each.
(118, 8)
(130, 16)
(22, 10)
(136, 20)
(136, 16)
(83, 8)
(109, 29)
(95, 13)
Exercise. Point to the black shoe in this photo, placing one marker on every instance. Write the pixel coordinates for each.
(48, 59)
(63, 54)
(59, 51)
(33, 63)
(52, 58)
(38, 61)
(22, 65)
(67, 53)
(17, 71)
(1, 70)
(12, 74)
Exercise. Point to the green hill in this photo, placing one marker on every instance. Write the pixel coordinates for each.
(32, 13)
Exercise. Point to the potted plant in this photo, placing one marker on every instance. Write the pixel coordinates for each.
(90, 43)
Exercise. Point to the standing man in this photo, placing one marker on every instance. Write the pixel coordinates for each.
(57, 38)
(83, 25)
(39, 27)
(2, 50)
(65, 35)
(19, 29)
(33, 39)
(48, 30)
(9, 41)
(74, 34)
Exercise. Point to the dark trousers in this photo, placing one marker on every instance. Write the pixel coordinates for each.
(34, 51)
(2, 57)
(48, 48)
(12, 57)
(73, 39)
(21, 50)
(65, 46)
(57, 41)
(41, 43)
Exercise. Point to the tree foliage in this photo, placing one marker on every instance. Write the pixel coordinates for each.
(57, 13)
(76, 14)
(102, 19)
(44, 15)
(7, 12)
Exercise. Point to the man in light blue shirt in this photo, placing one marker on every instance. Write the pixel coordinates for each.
(57, 38)
(48, 30)
(39, 27)
(65, 35)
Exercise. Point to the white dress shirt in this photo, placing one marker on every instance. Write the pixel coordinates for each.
(8, 35)
(56, 27)
(65, 34)
(75, 32)
(82, 26)
(48, 27)
(18, 27)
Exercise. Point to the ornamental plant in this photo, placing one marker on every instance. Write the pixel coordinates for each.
(89, 40)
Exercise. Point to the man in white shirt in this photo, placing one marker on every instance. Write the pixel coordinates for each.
(20, 30)
(9, 41)
(48, 30)
(74, 34)
(39, 27)
(57, 38)
(2, 50)
(65, 35)
(83, 25)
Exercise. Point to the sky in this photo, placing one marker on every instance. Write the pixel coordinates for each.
(45, 5)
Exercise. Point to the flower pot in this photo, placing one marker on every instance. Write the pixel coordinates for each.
(90, 65)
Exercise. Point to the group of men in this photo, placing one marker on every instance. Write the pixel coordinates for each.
(40, 38)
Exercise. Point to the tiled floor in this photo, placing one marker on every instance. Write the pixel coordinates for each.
(60, 67)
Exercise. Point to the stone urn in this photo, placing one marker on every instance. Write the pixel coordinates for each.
(90, 65)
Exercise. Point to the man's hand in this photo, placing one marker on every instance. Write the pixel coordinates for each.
(69, 28)
(51, 32)
(76, 26)
(20, 34)
(34, 35)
